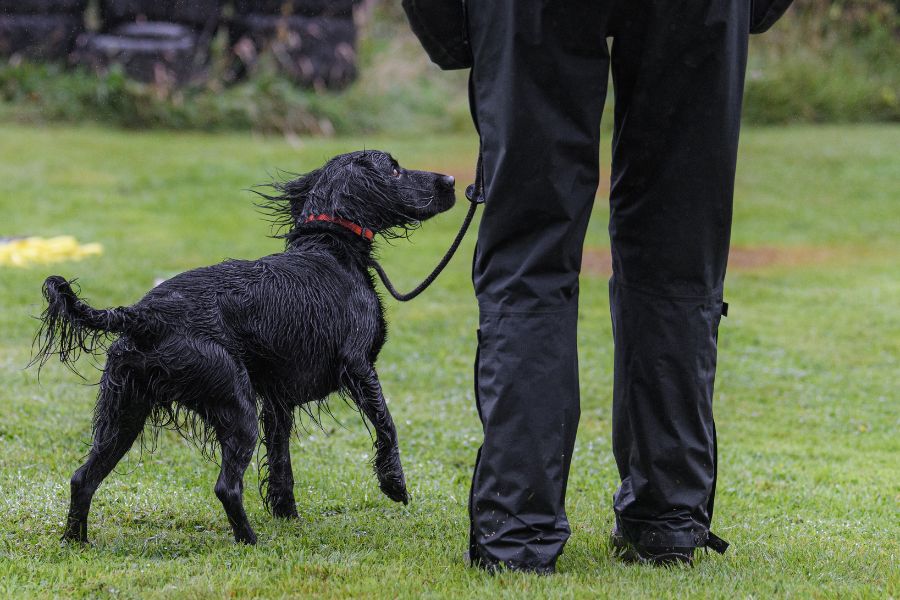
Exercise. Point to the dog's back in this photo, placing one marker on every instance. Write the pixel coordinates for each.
(291, 319)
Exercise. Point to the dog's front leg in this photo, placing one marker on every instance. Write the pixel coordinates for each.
(366, 392)
(278, 421)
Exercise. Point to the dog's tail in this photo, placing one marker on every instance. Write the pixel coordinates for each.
(70, 326)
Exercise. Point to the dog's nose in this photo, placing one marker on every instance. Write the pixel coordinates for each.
(448, 180)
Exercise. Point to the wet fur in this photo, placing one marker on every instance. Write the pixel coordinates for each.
(222, 353)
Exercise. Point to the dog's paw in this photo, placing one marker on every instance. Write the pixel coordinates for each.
(286, 511)
(390, 476)
(245, 537)
(282, 505)
(395, 492)
(75, 533)
(394, 486)
(75, 542)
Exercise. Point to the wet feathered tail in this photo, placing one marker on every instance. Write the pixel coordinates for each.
(71, 327)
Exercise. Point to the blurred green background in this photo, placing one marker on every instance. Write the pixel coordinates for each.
(825, 61)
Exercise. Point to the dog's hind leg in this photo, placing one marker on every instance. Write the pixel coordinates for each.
(278, 421)
(366, 391)
(120, 416)
(237, 430)
(206, 378)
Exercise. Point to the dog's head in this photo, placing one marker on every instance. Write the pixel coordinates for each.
(368, 188)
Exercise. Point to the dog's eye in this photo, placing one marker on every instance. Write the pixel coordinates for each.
(395, 172)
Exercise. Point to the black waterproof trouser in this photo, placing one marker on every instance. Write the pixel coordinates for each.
(538, 87)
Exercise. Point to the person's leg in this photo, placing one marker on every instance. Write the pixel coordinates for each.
(538, 88)
(678, 72)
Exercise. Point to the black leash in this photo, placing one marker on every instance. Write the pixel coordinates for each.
(475, 195)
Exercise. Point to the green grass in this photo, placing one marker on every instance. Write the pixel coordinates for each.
(806, 399)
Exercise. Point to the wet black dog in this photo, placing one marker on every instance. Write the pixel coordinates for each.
(240, 338)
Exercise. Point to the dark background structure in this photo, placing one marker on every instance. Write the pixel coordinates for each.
(168, 42)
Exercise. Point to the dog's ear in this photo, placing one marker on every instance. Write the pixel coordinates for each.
(297, 191)
(286, 208)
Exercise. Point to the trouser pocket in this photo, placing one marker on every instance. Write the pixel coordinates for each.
(441, 28)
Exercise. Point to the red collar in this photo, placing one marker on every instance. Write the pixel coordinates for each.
(357, 229)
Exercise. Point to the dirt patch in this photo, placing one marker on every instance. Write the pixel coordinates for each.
(597, 261)
(760, 257)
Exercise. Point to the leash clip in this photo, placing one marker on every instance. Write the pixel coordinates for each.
(472, 197)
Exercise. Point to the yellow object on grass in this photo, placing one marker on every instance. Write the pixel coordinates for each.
(36, 250)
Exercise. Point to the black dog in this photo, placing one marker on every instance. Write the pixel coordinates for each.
(274, 334)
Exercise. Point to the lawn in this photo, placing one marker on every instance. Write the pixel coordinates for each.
(806, 399)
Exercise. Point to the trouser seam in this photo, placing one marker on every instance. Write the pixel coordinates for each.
(715, 295)
(502, 313)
